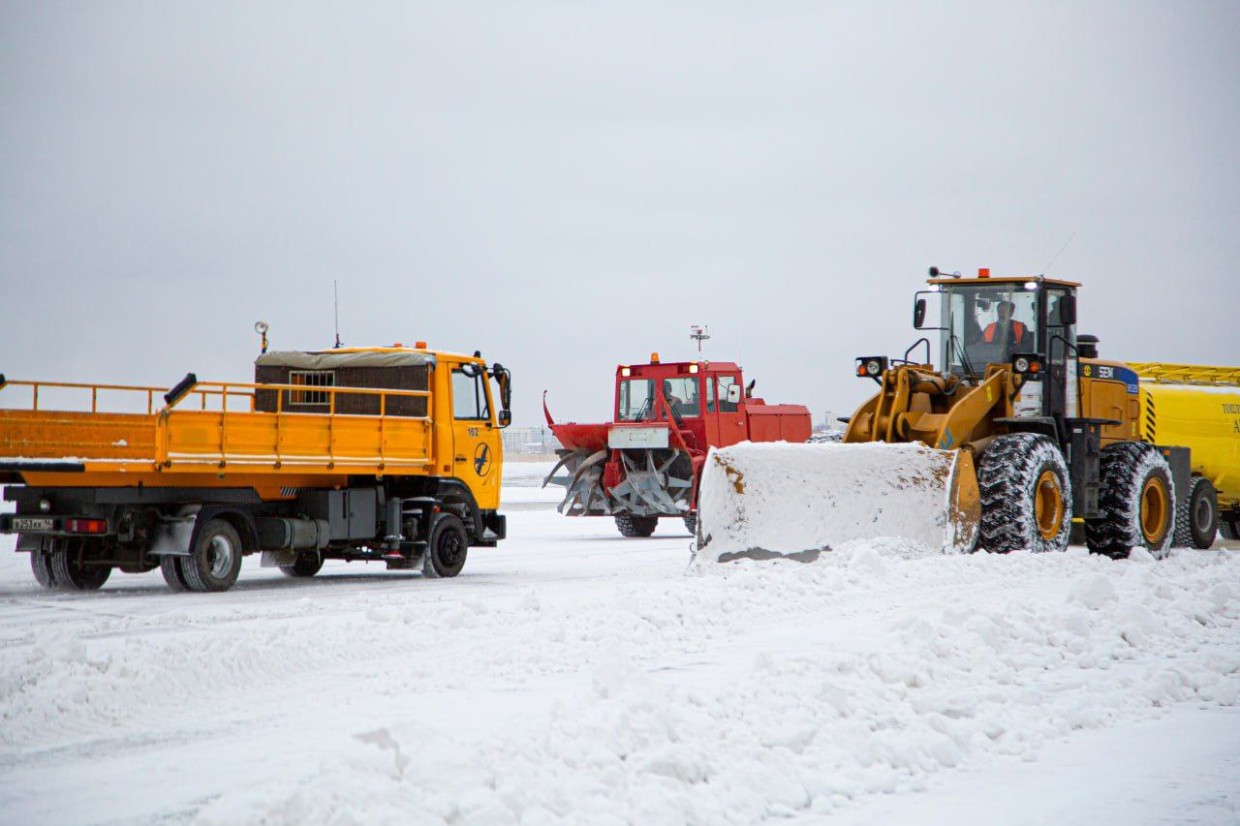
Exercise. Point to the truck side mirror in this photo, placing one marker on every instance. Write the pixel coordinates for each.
(1067, 310)
(734, 393)
(919, 313)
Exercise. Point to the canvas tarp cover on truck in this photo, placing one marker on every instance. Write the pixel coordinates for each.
(386, 370)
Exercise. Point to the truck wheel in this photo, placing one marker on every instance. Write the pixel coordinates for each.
(632, 526)
(446, 550)
(307, 564)
(1026, 495)
(1135, 502)
(170, 567)
(41, 564)
(691, 523)
(1196, 516)
(71, 573)
(216, 558)
(1230, 529)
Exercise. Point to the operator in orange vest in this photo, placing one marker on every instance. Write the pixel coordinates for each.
(1005, 330)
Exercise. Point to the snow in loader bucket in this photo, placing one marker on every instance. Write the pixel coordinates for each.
(780, 500)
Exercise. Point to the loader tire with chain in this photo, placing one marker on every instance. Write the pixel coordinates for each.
(636, 526)
(1196, 515)
(1136, 502)
(1026, 495)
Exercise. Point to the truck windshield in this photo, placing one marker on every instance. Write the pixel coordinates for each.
(986, 324)
(637, 398)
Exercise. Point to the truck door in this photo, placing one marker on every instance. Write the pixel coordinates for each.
(476, 441)
(725, 422)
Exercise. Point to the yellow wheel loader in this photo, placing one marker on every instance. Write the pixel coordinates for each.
(1019, 429)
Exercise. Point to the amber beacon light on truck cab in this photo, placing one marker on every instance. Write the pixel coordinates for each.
(385, 454)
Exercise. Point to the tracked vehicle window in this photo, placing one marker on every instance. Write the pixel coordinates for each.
(469, 397)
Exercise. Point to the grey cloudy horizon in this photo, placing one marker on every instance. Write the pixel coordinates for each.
(567, 187)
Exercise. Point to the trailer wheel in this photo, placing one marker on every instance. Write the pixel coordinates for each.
(70, 571)
(1135, 502)
(1230, 529)
(446, 550)
(307, 564)
(41, 565)
(216, 558)
(1026, 495)
(636, 526)
(170, 567)
(1196, 516)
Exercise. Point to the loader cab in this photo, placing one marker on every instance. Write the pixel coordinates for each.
(994, 321)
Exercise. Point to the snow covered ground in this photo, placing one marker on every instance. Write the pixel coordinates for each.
(575, 676)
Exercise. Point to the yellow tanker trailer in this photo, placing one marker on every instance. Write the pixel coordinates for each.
(1198, 407)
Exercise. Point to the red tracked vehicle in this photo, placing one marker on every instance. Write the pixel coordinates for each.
(647, 461)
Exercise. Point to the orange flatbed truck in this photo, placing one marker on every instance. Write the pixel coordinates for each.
(386, 454)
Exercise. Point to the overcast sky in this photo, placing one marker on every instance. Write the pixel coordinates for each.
(569, 186)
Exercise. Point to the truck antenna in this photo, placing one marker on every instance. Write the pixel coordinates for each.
(336, 304)
(1047, 268)
(699, 333)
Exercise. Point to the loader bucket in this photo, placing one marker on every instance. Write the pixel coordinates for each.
(765, 501)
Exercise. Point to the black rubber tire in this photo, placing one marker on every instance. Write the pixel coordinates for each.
(170, 567)
(41, 565)
(70, 573)
(1023, 478)
(1133, 475)
(636, 526)
(691, 523)
(215, 562)
(1229, 529)
(1196, 515)
(308, 564)
(447, 548)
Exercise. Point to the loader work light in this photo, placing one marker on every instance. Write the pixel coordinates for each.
(1028, 365)
(871, 367)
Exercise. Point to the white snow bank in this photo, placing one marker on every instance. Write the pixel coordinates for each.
(886, 671)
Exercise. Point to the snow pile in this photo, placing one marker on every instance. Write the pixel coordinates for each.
(762, 500)
(740, 698)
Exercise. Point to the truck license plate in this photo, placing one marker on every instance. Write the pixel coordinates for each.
(22, 523)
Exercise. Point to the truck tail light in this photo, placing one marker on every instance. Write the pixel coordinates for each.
(86, 526)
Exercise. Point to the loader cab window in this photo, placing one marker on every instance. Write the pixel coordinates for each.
(469, 395)
(987, 324)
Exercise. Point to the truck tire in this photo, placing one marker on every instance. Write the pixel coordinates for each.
(308, 564)
(71, 573)
(1230, 529)
(447, 548)
(41, 565)
(691, 523)
(1026, 495)
(636, 526)
(215, 561)
(170, 567)
(1135, 502)
(1196, 516)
